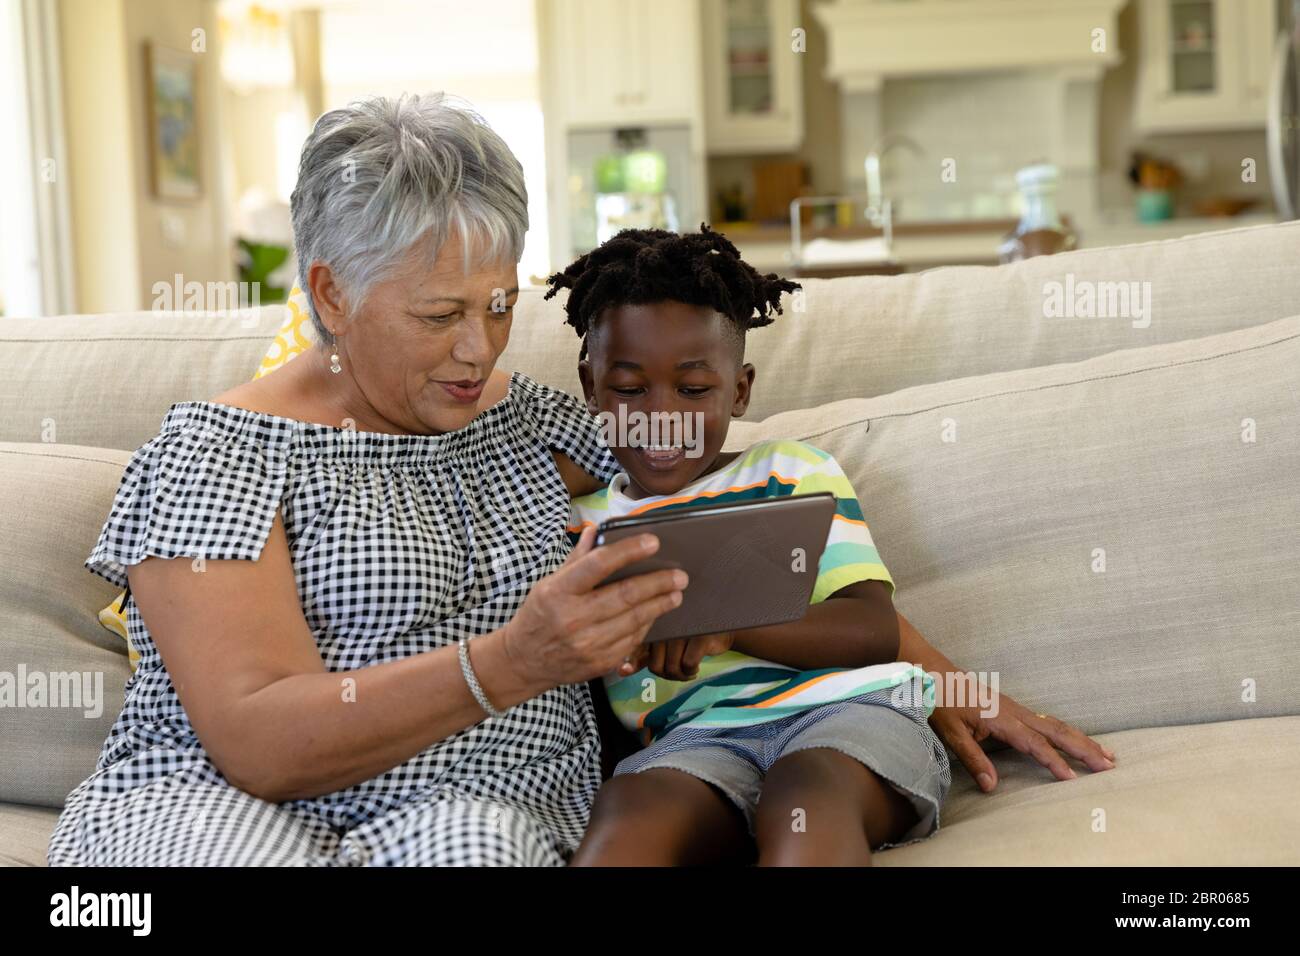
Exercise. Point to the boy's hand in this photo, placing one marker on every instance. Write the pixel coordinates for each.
(679, 659)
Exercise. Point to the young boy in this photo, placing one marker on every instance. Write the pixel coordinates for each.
(807, 741)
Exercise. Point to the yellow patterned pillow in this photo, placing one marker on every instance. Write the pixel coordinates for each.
(293, 339)
(113, 619)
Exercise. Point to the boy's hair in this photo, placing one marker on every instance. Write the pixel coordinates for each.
(645, 266)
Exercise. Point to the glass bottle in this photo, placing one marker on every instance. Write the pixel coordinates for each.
(1040, 231)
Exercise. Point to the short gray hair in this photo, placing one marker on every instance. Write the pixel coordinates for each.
(381, 175)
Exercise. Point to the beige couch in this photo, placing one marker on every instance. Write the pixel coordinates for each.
(1102, 512)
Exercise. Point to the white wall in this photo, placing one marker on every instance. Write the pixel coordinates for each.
(126, 239)
(992, 124)
(20, 272)
(484, 51)
(102, 154)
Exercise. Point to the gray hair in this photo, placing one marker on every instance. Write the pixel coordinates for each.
(381, 175)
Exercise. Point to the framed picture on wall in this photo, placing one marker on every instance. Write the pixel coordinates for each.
(173, 128)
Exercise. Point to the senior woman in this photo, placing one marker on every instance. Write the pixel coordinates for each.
(310, 554)
(363, 636)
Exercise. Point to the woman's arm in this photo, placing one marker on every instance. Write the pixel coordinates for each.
(280, 726)
(576, 481)
(915, 648)
(962, 727)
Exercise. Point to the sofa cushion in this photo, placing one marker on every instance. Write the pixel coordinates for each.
(870, 335)
(1232, 805)
(1160, 808)
(25, 834)
(1117, 538)
(53, 502)
(107, 380)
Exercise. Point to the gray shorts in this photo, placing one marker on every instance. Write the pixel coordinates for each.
(896, 744)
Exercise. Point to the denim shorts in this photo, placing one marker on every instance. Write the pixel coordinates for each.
(896, 743)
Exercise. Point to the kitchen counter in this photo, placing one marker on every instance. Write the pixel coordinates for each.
(922, 245)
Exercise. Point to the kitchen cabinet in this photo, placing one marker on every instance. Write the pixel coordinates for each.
(618, 65)
(753, 78)
(1204, 64)
(625, 62)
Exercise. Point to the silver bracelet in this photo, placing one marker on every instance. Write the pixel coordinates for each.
(475, 687)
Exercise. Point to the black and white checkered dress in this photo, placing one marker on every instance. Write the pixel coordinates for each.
(400, 544)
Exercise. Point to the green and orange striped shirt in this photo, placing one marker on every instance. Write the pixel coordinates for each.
(734, 689)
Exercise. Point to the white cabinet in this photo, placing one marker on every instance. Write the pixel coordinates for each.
(1204, 64)
(625, 62)
(753, 76)
(609, 65)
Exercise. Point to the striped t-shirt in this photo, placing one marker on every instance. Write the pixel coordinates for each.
(734, 689)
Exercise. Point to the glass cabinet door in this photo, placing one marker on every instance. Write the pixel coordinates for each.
(750, 84)
(1204, 64)
(753, 76)
(1194, 61)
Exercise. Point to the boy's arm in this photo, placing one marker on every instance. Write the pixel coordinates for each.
(854, 627)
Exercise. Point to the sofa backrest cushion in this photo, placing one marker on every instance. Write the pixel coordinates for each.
(61, 674)
(870, 335)
(1117, 538)
(107, 380)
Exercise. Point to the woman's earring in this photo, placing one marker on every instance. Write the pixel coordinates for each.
(335, 365)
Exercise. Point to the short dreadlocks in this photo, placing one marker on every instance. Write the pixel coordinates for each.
(645, 266)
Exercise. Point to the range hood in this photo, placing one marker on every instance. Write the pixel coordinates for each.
(1066, 46)
(873, 40)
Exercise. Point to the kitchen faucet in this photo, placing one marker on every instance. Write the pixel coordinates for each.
(876, 211)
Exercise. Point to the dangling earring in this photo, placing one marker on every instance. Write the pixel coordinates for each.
(335, 365)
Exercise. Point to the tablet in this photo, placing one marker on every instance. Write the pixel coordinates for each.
(751, 563)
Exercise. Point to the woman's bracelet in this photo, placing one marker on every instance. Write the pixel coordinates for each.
(475, 687)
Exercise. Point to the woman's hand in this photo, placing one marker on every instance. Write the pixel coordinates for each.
(963, 728)
(1039, 735)
(679, 659)
(570, 629)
